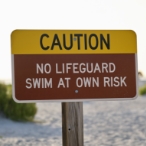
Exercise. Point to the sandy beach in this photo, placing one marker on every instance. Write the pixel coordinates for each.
(106, 123)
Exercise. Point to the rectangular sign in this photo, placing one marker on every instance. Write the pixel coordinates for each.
(73, 65)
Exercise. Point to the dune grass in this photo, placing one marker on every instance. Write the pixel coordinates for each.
(13, 110)
(142, 90)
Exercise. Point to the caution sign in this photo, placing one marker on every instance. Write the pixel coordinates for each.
(73, 65)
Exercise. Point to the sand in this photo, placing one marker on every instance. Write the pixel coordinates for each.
(106, 123)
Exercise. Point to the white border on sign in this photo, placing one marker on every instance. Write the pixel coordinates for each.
(71, 100)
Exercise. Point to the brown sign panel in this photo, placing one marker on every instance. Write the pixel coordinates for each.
(74, 77)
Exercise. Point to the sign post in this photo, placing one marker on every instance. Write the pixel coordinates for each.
(72, 124)
(73, 66)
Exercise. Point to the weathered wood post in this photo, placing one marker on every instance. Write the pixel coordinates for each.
(72, 124)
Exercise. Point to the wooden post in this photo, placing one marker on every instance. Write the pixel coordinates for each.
(72, 123)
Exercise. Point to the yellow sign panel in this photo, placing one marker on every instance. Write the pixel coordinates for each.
(73, 42)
